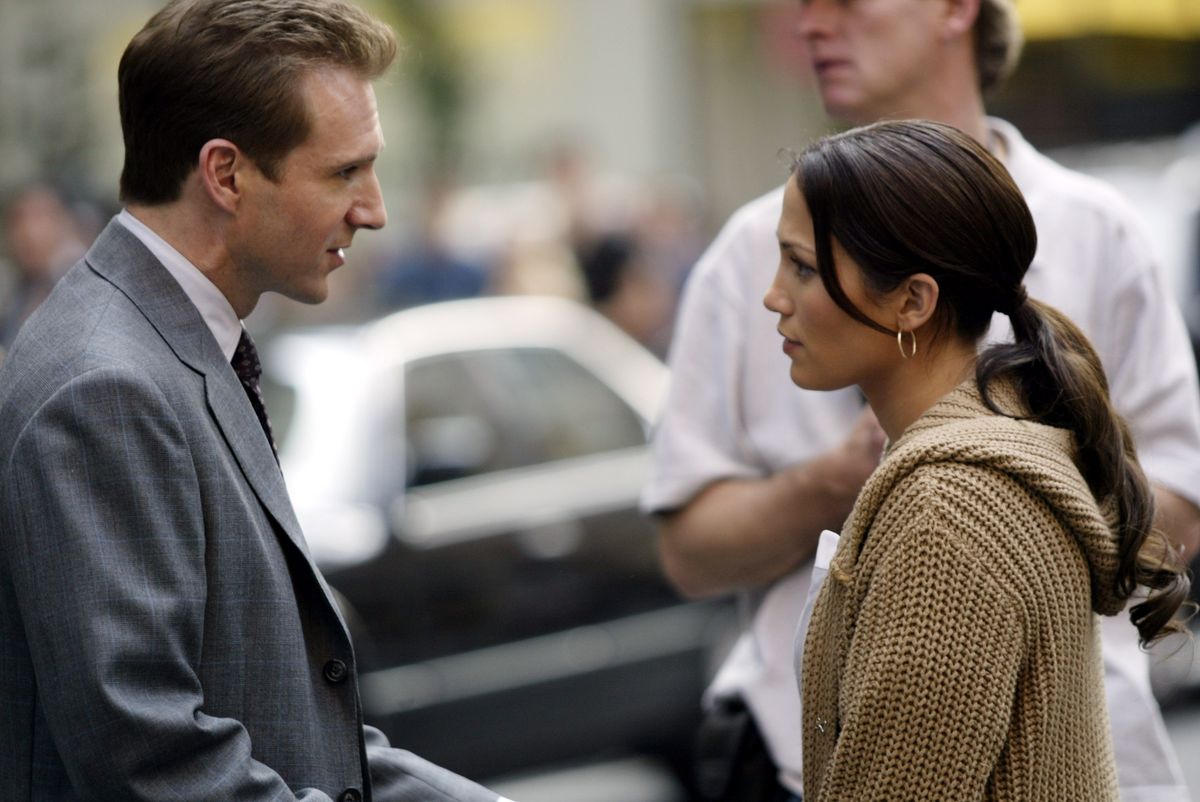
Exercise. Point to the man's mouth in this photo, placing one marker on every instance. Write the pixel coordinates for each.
(822, 66)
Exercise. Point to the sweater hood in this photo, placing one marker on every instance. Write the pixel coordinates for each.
(961, 429)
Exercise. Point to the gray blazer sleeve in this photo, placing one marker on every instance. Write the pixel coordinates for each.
(109, 572)
(400, 776)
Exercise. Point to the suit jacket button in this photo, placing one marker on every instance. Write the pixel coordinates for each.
(350, 795)
(336, 672)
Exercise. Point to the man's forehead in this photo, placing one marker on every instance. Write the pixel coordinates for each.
(343, 115)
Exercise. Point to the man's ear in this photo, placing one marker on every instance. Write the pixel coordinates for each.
(916, 301)
(959, 16)
(222, 168)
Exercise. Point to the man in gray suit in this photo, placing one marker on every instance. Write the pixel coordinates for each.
(164, 633)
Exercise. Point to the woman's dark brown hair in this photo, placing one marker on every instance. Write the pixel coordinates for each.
(920, 197)
(231, 69)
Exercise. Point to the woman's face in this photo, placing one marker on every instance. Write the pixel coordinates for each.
(829, 349)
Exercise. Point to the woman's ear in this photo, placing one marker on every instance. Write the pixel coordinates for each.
(916, 301)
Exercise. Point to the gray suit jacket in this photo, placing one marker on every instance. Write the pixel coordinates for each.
(164, 633)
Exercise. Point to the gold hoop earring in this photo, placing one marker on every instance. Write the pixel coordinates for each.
(900, 343)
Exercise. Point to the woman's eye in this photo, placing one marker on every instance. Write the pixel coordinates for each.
(803, 268)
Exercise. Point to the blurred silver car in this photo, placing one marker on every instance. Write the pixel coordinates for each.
(467, 475)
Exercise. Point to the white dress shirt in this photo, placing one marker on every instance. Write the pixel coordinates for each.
(212, 304)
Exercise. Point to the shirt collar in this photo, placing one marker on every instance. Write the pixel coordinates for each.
(1021, 161)
(1016, 149)
(212, 304)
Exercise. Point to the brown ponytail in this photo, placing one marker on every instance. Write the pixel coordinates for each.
(1060, 377)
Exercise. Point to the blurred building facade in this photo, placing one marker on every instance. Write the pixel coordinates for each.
(703, 96)
(709, 89)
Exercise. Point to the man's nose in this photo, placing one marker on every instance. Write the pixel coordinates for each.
(369, 210)
(815, 17)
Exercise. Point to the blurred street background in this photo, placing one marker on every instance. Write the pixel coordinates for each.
(587, 150)
(518, 128)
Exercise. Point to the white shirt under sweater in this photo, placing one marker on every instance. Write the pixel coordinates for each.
(732, 411)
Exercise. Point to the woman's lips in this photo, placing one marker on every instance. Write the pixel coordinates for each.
(789, 345)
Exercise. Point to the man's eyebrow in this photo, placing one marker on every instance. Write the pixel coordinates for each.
(356, 161)
(364, 158)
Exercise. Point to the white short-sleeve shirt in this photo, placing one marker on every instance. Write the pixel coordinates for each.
(733, 412)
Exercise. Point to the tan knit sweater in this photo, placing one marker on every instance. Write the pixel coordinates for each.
(953, 652)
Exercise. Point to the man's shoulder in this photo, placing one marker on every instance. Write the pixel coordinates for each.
(1049, 185)
(85, 328)
(82, 306)
(758, 216)
(745, 245)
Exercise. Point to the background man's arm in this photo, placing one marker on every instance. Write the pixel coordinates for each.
(739, 533)
(1179, 519)
(730, 514)
(1152, 374)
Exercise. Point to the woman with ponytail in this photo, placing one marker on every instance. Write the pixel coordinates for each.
(953, 651)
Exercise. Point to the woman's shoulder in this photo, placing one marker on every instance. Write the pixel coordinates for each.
(1010, 520)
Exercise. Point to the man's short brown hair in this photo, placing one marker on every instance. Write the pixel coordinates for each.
(232, 69)
(998, 42)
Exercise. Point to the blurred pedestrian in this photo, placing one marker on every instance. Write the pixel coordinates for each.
(43, 242)
(669, 236)
(427, 269)
(626, 289)
(953, 650)
(568, 207)
(749, 470)
(164, 633)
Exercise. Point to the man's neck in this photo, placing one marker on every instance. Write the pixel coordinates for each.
(190, 233)
(967, 116)
(950, 95)
(964, 113)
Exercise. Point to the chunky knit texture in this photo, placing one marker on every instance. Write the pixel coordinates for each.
(953, 652)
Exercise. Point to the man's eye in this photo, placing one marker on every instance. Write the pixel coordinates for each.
(347, 172)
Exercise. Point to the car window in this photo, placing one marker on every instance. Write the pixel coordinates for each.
(476, 412)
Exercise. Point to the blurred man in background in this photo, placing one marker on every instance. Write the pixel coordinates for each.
(43, 241)
(427, 269)
(749, 469)
(625, 287)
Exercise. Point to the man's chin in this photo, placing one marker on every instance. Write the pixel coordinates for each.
(845, 107)
(310, 296)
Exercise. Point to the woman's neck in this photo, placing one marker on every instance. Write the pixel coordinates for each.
(916, 384)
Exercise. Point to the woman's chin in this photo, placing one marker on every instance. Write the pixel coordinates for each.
(810, 380)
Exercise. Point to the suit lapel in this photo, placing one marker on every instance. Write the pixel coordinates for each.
(231, 409)
(121, 258)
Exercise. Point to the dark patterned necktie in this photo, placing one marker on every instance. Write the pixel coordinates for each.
(249, 369)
